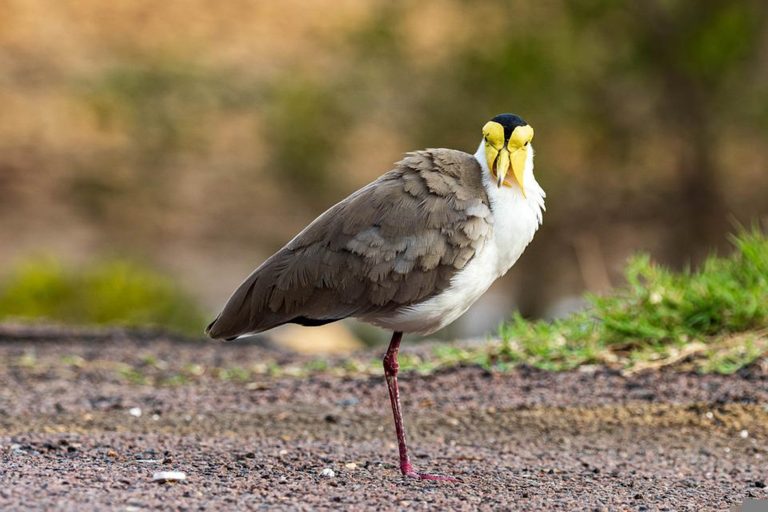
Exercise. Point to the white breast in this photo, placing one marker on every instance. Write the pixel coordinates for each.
(516, 219)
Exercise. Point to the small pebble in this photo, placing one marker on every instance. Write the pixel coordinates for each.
(350, 465)
(328, 473)
(744, 434)
(169, 476)
(709, 415)
(346, 402)
(135, 411)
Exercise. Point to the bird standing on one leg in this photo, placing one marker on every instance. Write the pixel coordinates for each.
(410, 252)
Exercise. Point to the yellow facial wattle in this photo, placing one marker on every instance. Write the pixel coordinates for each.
(501, 156)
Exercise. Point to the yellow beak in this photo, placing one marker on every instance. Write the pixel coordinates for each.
(502, 166)
(501, 156)
(515, 160)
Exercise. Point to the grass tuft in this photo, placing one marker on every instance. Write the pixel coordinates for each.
(659, 315)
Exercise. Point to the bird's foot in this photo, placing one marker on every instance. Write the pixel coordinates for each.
(428, 476)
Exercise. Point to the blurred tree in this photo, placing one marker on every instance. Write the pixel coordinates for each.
(164, 109)
(693, 59)
(305, 125)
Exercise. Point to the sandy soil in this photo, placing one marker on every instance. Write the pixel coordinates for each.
(71, 436)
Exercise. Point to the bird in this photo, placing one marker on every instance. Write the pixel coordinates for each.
(409, 252)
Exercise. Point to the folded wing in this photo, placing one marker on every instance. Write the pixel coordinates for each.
(394, 243)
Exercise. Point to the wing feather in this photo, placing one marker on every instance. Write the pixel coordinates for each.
(393, 243)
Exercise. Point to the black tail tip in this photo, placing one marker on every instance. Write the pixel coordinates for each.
(209, 329)
(218, 335)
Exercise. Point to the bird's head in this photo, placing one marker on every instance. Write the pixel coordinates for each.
(507, 140)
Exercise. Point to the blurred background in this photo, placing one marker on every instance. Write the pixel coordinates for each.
(153, 153)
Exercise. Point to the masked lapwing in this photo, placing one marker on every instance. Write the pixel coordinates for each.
(410, 252)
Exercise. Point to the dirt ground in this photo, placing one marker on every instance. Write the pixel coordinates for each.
(86, 419)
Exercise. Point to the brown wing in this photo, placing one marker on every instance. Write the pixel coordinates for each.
(396, 242)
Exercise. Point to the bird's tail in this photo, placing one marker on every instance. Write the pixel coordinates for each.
(215, 330)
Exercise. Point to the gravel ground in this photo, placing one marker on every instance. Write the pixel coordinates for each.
(86, 419)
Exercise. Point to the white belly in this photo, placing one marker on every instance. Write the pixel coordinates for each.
(516, 220)
(466, 287)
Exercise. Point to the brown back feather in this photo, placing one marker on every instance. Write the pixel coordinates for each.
(396, 242)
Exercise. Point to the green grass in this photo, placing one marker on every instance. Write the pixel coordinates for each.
(660, 316)
(113, 292)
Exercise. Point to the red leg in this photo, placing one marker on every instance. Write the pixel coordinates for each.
(391, 367)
